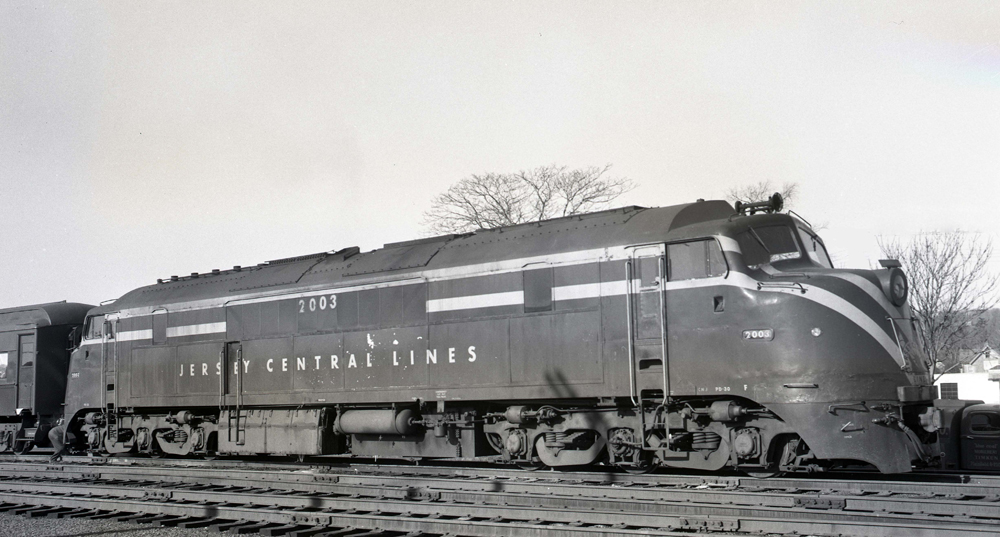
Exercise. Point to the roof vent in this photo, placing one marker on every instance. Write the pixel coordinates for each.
(173, 278)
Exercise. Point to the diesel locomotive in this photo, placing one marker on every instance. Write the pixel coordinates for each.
(696, 336)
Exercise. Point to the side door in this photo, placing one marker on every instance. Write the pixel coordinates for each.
(231, 391)
(646, 275)
(26, 371)
(8, 373)
(231, 384)
(109, 362)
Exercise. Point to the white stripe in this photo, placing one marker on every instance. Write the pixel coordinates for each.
(576, 292)
(736, 279)
(475, 301)
(93, 341)
(134, 335)
(464, 271)
(172, 331)
(196, 329)
(580, 257)
(835, 303)
(872, 290)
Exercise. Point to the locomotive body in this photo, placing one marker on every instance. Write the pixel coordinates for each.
(34, 359)
(688, 336)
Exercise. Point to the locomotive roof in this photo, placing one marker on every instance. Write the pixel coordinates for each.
(349, 266)
(39, 315)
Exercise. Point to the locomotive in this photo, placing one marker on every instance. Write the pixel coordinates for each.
(697, 336)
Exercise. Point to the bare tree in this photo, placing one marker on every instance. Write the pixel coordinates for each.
(492, 200)
(951, 291)
(761, 191)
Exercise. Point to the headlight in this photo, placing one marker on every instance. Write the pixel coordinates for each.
(896, 286)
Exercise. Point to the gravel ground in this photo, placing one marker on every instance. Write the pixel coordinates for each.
(19, 526)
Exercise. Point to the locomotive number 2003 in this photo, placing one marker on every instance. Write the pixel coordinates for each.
(762, 333)
(318, 303)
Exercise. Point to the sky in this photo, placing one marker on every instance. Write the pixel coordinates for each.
(140, 140)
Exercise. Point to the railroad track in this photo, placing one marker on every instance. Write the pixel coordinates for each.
(294, 499)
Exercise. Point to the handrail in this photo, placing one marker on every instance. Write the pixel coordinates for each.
(223, 370)
(239, 394)
(902, 355)
(628, 322)
(663, 329)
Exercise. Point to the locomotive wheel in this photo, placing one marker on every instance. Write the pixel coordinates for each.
(764, 473)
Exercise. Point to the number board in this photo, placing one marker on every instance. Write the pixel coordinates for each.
(761, 334)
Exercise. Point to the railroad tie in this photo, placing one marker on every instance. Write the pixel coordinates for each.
(224, 525)
(284, 529)
(252, 527)
(309, 532)
(197, 522)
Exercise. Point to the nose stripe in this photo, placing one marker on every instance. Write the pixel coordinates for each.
(852, 312)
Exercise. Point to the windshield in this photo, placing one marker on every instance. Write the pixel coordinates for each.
(767, 244)
(814, 248)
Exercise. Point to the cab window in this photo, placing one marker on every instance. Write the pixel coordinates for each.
(695, 259)
(984, 423)
(814, 248)
(767, 244)
(95, 327)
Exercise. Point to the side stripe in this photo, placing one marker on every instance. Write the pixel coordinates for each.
(475, 301)
(134, 335)
(736, 279)
(196, 329)
(872, 290)
(579, 257)
(172, 331)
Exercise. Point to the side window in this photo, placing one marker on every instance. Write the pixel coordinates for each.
(159, 327)
(5, 376)
(982, 422)
(538, 289)
(27, 350)
(695, 259)
(415, 303)
(94, 325)
(649, 272)
(390, 301)
(646, 286)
